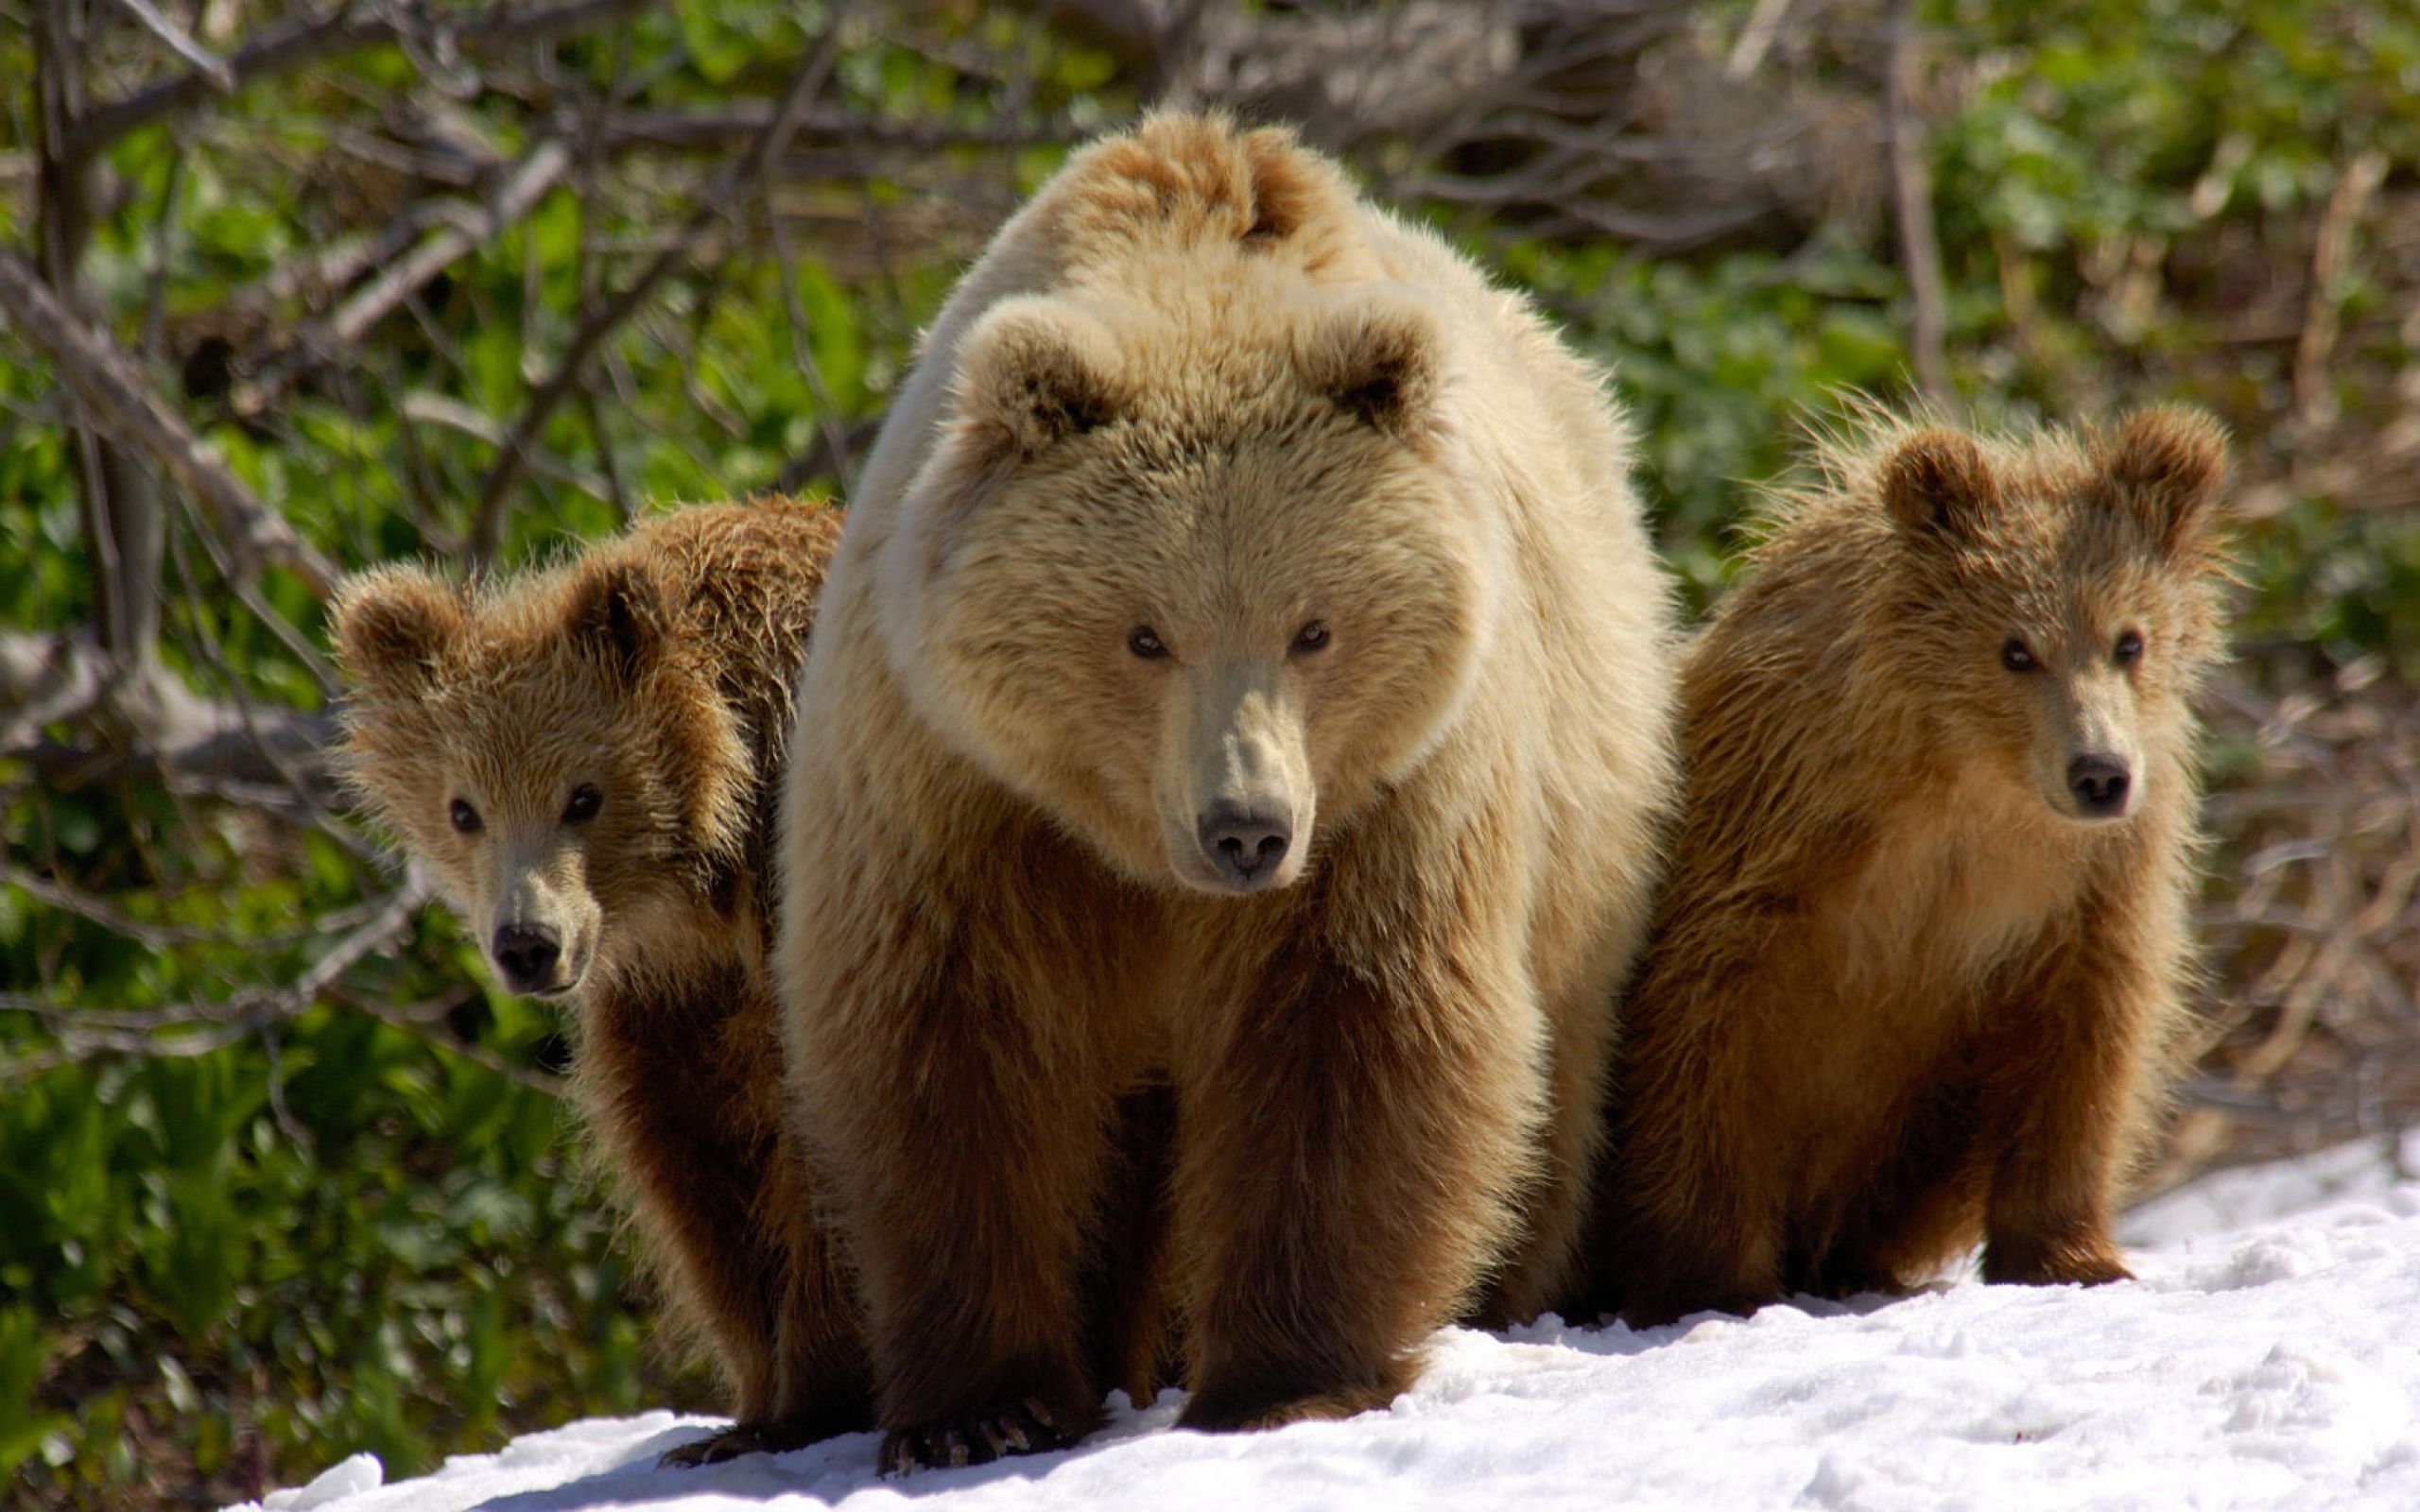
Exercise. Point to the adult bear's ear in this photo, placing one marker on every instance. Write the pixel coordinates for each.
(1375, 353)
(1034, 371)
(1936, 482)
(2169, 468)
(395, 627)
(619, 618)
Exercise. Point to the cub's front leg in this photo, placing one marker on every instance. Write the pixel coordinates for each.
(680, 1077)
(1690, 1208)
(2069, 1098)
(1355, 1134)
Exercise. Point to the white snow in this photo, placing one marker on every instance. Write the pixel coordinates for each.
(2269, 1357)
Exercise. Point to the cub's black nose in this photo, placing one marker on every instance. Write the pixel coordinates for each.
(526, 953)
(1242, 846)
(2099, 784)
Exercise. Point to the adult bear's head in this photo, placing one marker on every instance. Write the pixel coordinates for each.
(1198, 569)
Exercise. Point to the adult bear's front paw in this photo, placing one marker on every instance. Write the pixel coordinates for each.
(1242, 1408)
(1030, 1426)
(778, 1437)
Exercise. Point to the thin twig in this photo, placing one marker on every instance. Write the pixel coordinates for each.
(211, 1025)
(211, 68)
(112, 388)
(427, 408)
(298, 43)
(487, 527)
(529, 182)
(2314, 400)
(1911, 187)
(1756, 39)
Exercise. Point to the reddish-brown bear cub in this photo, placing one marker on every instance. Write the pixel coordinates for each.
(587, 760)
(1922, 961)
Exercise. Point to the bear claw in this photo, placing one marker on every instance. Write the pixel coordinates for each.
(741, 1438)
(975, 1439)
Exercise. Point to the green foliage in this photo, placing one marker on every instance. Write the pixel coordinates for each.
(342, 1228)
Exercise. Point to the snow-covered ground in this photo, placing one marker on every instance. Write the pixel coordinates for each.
(2269, 1357)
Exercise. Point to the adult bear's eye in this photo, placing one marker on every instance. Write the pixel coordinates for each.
(1146, 642)
(2014, 656)
(465, 817)
(586, 801)
(2129, 649)
(1311, 637)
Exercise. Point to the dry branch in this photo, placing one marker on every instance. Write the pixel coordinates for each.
(298, 43)
(520, 444)
(2314, 403)
(149, 721)
(1911, 188)
(529, 182)
(212, 68)
(117, 397)
(199, 1028)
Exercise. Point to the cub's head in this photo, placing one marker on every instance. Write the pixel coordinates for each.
(2059, 598)
(1198, 577)
(547, 751)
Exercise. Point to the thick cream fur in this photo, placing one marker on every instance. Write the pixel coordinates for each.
(1196, 387)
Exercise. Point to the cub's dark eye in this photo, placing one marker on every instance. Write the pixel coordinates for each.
(2014, 656)
(465, 817)
(1311, 637)
(586, 801)
(1144, 642)
(2129, 649)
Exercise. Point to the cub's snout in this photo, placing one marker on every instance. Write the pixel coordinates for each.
(529, 958)
(2101, 785)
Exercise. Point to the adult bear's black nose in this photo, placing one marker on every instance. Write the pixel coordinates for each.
(526, 953)
(2099, 784)
(1243, 847)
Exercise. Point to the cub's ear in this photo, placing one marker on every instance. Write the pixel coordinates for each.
(619, 617)
(1034, 371)
(395, 627)
(1375, 354)
(2171, 468)
(1936, 482)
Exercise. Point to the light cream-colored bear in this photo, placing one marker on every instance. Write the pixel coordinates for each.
(1243, 667)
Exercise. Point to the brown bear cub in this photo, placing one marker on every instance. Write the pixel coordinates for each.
(587, 760)
(1922, 960)
(1245, 670)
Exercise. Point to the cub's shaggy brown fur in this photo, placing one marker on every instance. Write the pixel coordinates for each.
(1244, 666)
(1925, 944)
(587, 760)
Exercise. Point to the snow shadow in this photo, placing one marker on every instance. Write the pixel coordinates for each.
(826, 1472)
(1614, 1339)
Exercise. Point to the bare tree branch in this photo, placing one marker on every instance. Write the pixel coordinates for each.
(114, 388)
(199, 1028)
(212, 68)
(298, 43)
(2314, 405)
(151, 722)
(451, 414)
(487, 528)
(124, 526)
(1912, 185)
(1755, 38)
(529, 182)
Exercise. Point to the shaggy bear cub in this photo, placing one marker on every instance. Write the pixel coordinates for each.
(1923, 957)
